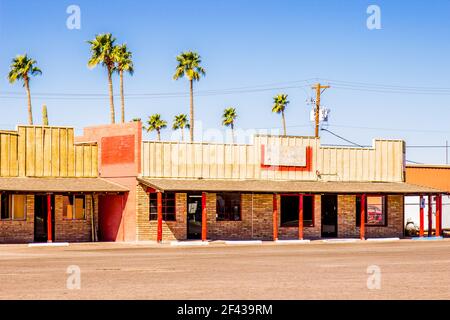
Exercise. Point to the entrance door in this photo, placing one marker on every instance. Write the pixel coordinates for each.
(40, 218)
(194, 216)
(329, 216)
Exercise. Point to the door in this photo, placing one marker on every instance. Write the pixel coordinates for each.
(329, 216)
(40, 218)
(194, 216)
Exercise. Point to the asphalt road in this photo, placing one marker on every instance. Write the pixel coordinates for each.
(408, 270)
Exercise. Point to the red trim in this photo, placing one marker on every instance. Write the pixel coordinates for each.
(308, 166)
(204, 217)
(49, 219)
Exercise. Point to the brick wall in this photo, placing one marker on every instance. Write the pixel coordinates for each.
(147, 230)
(19, 231)
(76, 230)
(347, 219)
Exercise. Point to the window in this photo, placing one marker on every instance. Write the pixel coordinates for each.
(290, 207)
(74, 207)
(168, 206)
(13, 207)
(228, 207)
(375, 211)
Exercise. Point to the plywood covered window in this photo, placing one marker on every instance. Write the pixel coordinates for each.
(74, 207)
(168, 206)
(13, 207)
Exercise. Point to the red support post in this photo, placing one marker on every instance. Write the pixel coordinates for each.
(438, 215)
(362, 229)
(49, 219)
(204, 218)
(300, 217)
(430, 215)
(160, 218)
(422, 218)
(441, 213)
(275, 217)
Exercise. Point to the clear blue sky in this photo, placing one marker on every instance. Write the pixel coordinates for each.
(243, 43)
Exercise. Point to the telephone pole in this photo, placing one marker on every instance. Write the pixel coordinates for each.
(319, 90)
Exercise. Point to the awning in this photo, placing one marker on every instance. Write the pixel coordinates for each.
(60, 185)
(273, 186)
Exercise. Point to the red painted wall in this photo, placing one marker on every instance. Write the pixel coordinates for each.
(119, 162)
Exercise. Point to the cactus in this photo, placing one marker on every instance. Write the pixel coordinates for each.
(44, 115)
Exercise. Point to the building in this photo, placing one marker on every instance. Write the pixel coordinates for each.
(434, 176)
(109, 185)
(49, 186)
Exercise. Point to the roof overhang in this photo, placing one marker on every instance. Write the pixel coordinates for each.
(66, 185)
(274, 186)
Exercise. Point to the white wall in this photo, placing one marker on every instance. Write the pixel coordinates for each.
(412, 211)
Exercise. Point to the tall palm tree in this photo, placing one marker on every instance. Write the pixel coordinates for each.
(228, 119)
(181, 122)
(23, 68)
(102, 52)
(279, 106)
(124, 61)
(189, 66)
(155, 123)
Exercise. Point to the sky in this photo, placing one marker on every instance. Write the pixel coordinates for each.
(392, 82)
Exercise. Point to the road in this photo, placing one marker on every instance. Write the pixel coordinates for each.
(408, 270)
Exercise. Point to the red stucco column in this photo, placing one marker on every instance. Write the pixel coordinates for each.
(362, 229)
(275, 218)
(422, 218)
(204, 218)
(430, 215)
(300, 217)
(159, 209)
(438, 215)
(49, 219)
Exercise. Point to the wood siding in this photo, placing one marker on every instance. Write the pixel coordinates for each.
(36, 151)
(384, 162)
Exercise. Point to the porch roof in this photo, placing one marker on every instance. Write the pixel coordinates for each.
(60, 185)
(274, 186)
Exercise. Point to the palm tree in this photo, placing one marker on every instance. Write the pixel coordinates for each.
(124, 64)
(189, 66)
(155, 123)
(181, 122)
(229, 116)
(279, 106)
(23, 68)
(102, 49)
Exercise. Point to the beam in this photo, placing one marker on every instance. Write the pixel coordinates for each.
(362, 228)
(275, 218)
(160, 218)
(422, 220)
(438, 215)
(49, 219)
(204, 218)
(300, 217)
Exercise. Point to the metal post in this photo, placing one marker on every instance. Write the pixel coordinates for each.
(300, 218)
(430, 215)
(438, 215)
(362, 228)
(275, 218)
(49, 219)
(204, 218)
(422, 220)
(160, 218)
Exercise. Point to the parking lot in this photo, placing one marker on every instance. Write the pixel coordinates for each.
(407, 270)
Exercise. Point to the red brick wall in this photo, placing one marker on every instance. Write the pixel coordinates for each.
(19, 231)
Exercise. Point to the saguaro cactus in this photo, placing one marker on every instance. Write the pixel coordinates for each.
(44, 115)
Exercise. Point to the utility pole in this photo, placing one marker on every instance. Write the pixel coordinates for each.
(318, 87)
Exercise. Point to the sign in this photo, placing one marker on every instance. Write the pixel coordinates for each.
(285, 156)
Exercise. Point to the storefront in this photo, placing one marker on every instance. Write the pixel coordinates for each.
(275, 188)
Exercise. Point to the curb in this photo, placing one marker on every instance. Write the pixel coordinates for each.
(55, 245)
(189, 244)
(383, 239)
(238, 242)
(292, 241)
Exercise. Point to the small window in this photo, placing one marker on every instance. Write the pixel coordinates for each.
(74, 207)
(168, 206)
(375, 213)
(228, 207)
(13, 207)
(290, 208)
